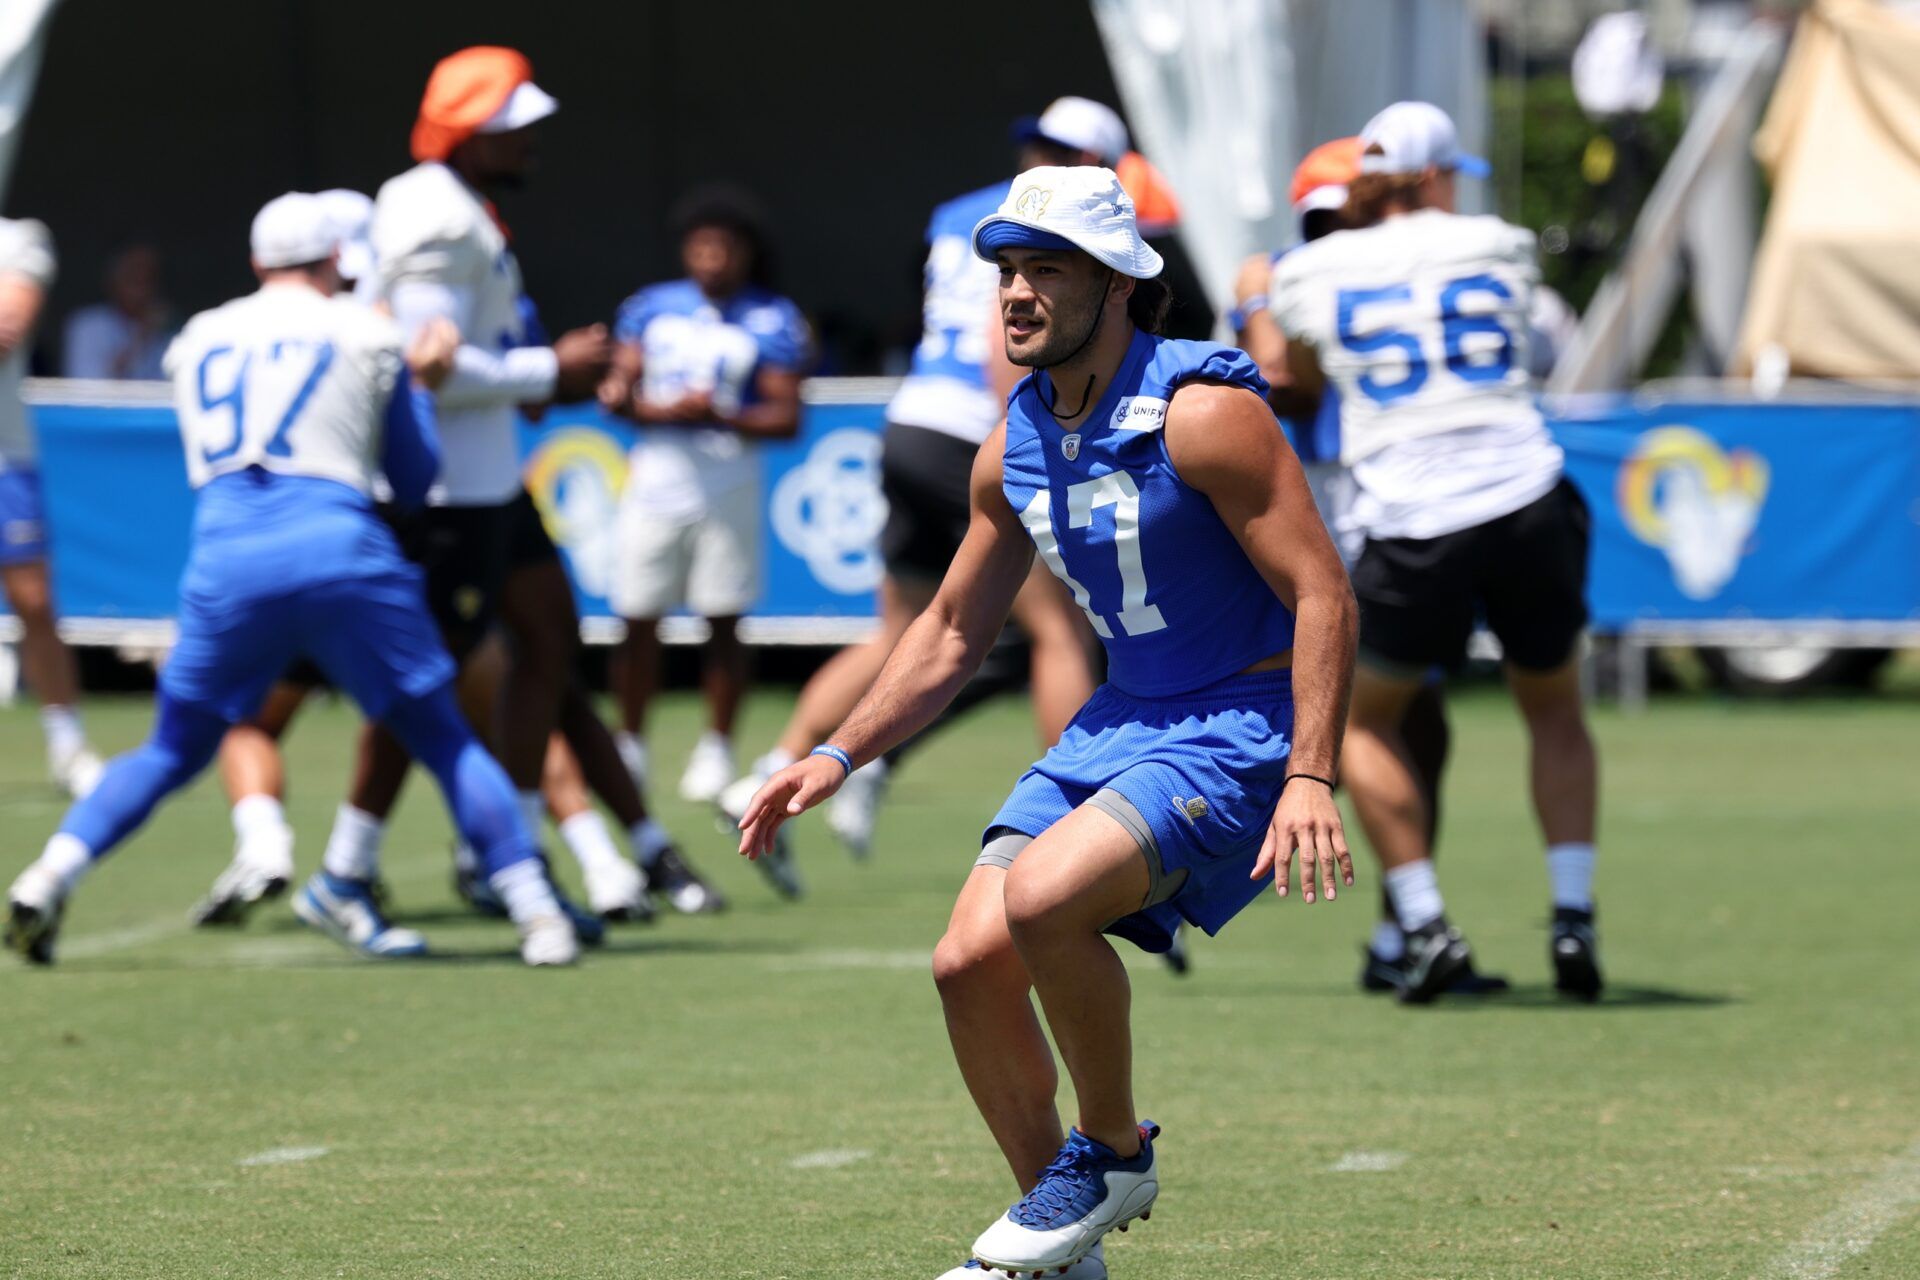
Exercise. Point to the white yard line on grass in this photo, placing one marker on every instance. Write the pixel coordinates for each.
(100, 944)
(1851, 1229)
(1369, 1162)
(854, 960)
(282, 1155)
(837, 1158)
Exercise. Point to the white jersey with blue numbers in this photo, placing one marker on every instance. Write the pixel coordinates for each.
(286, 380)
(947, 390)
(26, 250)
(1421, 325)
(690, 343)
(1166, 584)
(430, 228)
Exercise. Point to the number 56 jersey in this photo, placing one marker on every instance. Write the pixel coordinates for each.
(287, 380)
(1165, 583)
(1420, 322)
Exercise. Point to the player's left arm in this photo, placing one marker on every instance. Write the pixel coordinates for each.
(1225, 443)
(775, 412)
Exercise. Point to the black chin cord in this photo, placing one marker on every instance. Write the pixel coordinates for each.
(1087, 394)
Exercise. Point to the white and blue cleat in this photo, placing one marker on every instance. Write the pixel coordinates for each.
(345, 911)
(1091, 1267)
(1086, 1192)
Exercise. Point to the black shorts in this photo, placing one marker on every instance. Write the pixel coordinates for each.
(1525, 573)
(464, 551)
(926, 476)
(529, 543)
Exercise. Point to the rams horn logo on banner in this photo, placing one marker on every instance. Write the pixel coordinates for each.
(1699, 503)
(1032, 202)
(1070, 446)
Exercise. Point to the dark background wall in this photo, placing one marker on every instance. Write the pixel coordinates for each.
(172, 123)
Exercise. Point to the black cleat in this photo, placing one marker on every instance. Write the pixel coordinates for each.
(672, 877)
(1576, 955)
(1377, 973)
(1176, 955)
(32, 931)
(1436, 955)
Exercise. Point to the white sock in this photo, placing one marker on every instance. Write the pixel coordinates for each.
(66, 859)
(714, 741)
(524, 888)
(353, 849)
(1570, 868)
(533, 812)
(586, 835)
(773, 762)
(1416, 894)
(1389, 943)
(649, 840)
(633, 752)
(65, 735)
(256, 816)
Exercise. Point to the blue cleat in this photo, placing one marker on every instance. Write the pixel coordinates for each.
(1091, 1267)
(1086, 1192)
(345, 911)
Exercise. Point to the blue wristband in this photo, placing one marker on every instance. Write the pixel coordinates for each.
(834, 754)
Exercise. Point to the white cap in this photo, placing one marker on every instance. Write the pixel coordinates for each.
(1079, 123)
(292, 230)
(527, 104)
(352, 215)
(1412, 137)
(1331, 196)
(1081, 207)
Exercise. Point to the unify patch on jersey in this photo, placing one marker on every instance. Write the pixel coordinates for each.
(1139, 413)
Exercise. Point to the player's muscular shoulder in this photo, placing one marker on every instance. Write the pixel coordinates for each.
(1218, 434)
(989, 473)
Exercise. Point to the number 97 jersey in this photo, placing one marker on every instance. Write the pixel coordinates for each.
(288, 380)
(1420, 322)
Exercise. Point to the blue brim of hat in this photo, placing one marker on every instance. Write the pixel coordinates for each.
(999, 234)
(1472, 166)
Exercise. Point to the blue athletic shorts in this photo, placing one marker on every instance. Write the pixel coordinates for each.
(372, 637)
(1203, 768)
(23, 523)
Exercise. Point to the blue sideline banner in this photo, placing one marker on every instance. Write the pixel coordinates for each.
(120, 511)
(1702, 512)
(1762, 512)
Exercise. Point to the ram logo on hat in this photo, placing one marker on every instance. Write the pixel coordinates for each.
(1032, 202)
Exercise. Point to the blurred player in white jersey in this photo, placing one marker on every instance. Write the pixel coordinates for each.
(26, 273)
(291, 400)
(947, 404)
(1319, 194)
(1419, 317)
(443, 253)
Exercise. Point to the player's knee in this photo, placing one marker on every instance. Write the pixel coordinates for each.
(31, 599)
(967, 959)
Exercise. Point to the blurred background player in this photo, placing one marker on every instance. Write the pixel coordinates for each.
(1420, 318)
(123, 337)
(708, 365)
(950, 400)
(1319, 194)
(444, 254)
(26, 273)
(288, 400)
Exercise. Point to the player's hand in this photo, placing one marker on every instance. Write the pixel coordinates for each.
(1253, 279)
(1307, 820)
(583, 357)
(430, 354)
(787, 794)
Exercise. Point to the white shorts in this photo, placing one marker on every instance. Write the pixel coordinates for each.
(710, 564)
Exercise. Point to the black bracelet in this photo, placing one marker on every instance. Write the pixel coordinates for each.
(1325, 782)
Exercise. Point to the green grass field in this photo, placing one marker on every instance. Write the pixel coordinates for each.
(769, 1094)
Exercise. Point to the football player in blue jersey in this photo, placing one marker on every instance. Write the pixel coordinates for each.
(1154, 481)
(290, 399)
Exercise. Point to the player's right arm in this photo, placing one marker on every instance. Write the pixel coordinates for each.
(934, 658)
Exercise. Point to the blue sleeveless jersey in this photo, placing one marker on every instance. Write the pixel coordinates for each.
(1168, 588)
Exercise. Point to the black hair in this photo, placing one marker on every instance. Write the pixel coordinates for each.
(1149, 303)
(729, 208)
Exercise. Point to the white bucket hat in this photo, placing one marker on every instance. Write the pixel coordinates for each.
(1082, 208)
